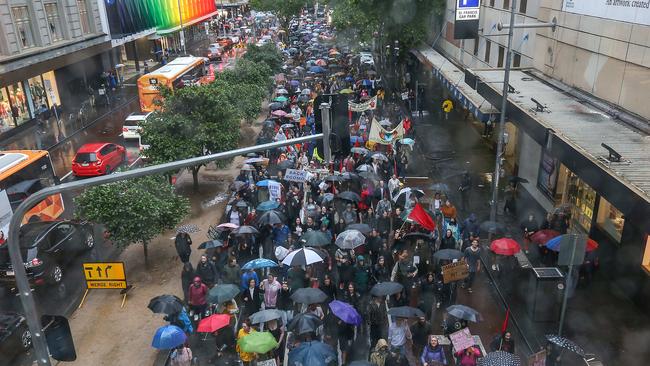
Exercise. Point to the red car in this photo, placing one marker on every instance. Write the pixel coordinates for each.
(98, 159)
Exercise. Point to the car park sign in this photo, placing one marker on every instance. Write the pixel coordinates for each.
(467, 9)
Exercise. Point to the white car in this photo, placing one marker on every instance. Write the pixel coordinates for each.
(366, 58)
(131, 128)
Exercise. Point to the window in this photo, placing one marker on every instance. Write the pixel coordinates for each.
(19, 103)
(487, 51)
(476, 44)
(522, 6)
(610, 219)
(516, 60)
(83, 17)
(53, 21)
(492, 3)
(646, 255)
(6, 121)
(501, 56)
(506, 4)
(23, 26)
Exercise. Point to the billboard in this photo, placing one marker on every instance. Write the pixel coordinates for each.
(631, 11)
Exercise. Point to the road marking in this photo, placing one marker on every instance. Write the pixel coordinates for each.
(135, 161)
(67, 175)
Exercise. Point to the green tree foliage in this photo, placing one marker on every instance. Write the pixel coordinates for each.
(266, 54)
(133, 211)
(284, 9)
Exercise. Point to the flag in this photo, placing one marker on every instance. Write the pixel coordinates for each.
(504, 326)
(421, 217)
(380, 135)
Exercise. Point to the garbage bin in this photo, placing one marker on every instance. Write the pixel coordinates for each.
(546, 287)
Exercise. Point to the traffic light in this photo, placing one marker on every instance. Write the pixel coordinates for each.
(59, 337)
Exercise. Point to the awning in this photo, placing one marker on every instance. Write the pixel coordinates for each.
(187, 24)
(453, 79)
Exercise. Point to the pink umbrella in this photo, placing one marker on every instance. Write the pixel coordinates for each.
(279, 113)
(227, 225)
(321, 62)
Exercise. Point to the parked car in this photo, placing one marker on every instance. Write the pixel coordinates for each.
(213, 52)
(225, 42)
(131, 128)
(366, 58)
(46, 247)
(98, 159)
(15, 337)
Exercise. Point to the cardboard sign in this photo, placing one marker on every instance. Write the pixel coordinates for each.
(454, 272)
(537, 359)
(295, 175)
(462, 339)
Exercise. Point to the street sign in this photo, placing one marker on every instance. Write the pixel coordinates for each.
(468, 9)
(104, 275)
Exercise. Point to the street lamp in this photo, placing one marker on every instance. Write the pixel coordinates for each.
(180, 17)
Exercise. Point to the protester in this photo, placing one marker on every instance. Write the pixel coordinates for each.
(181, 356)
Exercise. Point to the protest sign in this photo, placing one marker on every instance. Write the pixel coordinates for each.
(295, 175)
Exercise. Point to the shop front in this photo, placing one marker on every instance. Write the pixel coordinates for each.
(25, 100)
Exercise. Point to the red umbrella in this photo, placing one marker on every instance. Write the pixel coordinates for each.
(542, 236)
(505, 246)
(591, 245)
(213, 323)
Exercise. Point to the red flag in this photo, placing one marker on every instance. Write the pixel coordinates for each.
(504, 326)
(422, 217)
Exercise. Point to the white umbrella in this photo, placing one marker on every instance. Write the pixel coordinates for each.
(302, 257)
(405, 194)
(350, 239)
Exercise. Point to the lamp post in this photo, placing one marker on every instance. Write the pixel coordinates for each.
(182, 34)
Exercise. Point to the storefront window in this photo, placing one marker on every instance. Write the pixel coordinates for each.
(6, 121)
(19, 104)
(582, 199)
(610, 219)
(52, 92)
(37, 91)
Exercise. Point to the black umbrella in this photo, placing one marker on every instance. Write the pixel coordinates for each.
(216, 243)
(349, 196)
(285, 164)
(241, 204)
(334, 178)
(349, 176)
(327, 197)
(222, 293)
(448, 254)
(265, 316)
(369, 175)
(245, 229)
(304, 323)
(308, 295)
(386, 288)
(465, 313)
(417, 235)
(364, 228)
(238, 185)
(566, 343)
(270, 218)
(500, 358)
(166, 304)
(493, 227)
(188, 228)
(405, 312)
(316, 238)
(275, 106)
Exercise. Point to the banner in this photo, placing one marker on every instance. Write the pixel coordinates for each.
(275, 191)
(370, 104)
(380, 135)
(462, 339)
(295, 175)
(631, 11)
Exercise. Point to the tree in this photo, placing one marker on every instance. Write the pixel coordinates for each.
(266, 54)
(284, 9)
(133, 211)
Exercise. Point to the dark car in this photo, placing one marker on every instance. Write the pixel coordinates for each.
(15, 337)
(46, 247)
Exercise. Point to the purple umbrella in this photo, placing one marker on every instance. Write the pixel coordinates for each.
(345, 312)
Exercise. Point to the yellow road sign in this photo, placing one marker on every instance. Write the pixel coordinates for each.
(104, 271)
(105, 284)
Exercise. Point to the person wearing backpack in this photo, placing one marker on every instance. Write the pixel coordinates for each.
(181, 356)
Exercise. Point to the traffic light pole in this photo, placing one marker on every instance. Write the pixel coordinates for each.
(26, 297)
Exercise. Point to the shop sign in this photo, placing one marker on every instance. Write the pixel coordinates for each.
(468, 9)
(631, 11)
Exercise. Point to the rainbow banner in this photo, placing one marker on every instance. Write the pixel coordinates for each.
(133, 16)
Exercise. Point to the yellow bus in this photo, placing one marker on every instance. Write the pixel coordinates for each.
(22, 173)
(178, 73)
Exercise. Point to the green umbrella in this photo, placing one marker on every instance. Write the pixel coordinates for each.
(346, 91)
(281, 99)
(257, 342)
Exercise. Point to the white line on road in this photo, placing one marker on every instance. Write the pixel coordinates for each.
(67, 175)
(135, 162)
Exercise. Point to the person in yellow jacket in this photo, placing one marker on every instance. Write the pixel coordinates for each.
(245, 330)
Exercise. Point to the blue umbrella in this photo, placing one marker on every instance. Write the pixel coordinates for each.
(349, 78)
(294, 82)
(366, 82)
(317, 69)
(313, 354)
(268, 205)
(168, 337)
(259, 263)
(345, 312)
(554, 244)
(265, 182)
(407, 141)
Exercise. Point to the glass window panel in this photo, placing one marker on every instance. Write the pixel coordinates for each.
(19, 103)
(23, 26)
(610, 219)
(53, 21)
(52, 92)
(83, 16)
(6, 121)
(39, 96)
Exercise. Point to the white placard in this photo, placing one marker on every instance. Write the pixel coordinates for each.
(295, 175)
(631, 11)
(275, 191)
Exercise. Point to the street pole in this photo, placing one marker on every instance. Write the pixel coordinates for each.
(13, 243)
(325, 117)
(180, 16)
(569, 279)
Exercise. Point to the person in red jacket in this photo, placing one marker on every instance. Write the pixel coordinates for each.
(197, 295)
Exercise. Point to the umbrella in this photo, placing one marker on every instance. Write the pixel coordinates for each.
(465, 313)
(493, 227)
(227, 225)
(349, 176)
(302, 257)
(238, 185)
(542, 236)
(241, 204)
(210, 244)
(405, 312)
(365, 229)
(304, 323)
(365, 168)
(386, 288)
(257, 342)
(276, 106)
(327, 197)
(346, 91)
(305, 91)
(360, 150)
(401, 196)
(316, 238)
(281, 99)
(245, 229)
(285, 164)
(188, 228)
(287, 125)
(554, 244)
(281, 91)
(448, 254)
(321, 62)
(566, 343)
(268, 205)
(407, 141)
(213, 323)
(439, 187)
(166, 304)
(313, 353)
(379, 156)
(505, 246)
(259, 263)
(417, 235)
(363, 363)
(345, 312)
(369, 175)
(222, 293)
(334, 178)
(265, 182)
(168, 337)
(270, 218)
(500, 358)
(385, 122)
(308, 295)
(247, 167)
(317, 69)
(255, 160)
(266, 315)
(279, 113)
(294, 82)
(350, 239)
(349, 196)
(349, 79)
